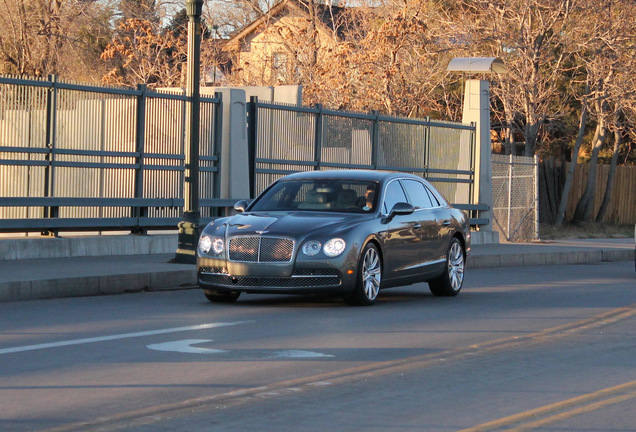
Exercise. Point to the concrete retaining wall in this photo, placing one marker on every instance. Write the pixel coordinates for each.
(90, 246)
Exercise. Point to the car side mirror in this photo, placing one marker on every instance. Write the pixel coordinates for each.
(400, 209)
(240, 206)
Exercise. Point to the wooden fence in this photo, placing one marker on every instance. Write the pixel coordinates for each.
(622, 206)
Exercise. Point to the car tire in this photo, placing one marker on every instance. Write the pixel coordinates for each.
(221, 296)
(369, 277)
(449, 283)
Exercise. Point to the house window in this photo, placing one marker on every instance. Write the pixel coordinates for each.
(246, 45)
(279, 65)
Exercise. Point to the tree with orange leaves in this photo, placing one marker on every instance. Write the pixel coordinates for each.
(140, 53)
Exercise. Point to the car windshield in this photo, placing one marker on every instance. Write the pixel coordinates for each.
(349, 196)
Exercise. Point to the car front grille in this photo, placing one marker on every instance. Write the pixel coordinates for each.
(222, 270)
(260, 249)
(327, 279)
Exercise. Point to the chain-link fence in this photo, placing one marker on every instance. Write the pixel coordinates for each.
(515, 197)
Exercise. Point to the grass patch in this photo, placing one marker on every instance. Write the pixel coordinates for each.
(585, 230)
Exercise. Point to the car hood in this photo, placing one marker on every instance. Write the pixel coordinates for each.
(290, 224)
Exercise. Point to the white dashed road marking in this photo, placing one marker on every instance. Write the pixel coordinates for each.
(116, 337)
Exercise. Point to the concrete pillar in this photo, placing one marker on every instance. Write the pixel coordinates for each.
(263, 93)
(234, 166)
(289, 94)
(477, 110)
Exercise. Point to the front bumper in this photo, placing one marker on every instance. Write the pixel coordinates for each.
(301, 278)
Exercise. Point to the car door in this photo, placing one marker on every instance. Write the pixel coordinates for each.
(401, 236)
(428, 215)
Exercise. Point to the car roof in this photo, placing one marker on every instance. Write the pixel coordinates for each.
(366, 175)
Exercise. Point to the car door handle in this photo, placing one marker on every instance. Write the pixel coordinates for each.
(446, 223)
(417, 226)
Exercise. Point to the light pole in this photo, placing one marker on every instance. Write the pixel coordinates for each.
(189, 228)
(216, 51)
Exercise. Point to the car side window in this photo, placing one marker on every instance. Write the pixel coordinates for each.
(418, 194)
(434, 201)
(393, 195)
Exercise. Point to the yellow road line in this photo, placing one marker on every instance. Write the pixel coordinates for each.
(575, 412)
(580, 405)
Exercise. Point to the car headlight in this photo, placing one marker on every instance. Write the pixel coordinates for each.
(207, 244)
(311, 248)
(334, 247)
(217, 245)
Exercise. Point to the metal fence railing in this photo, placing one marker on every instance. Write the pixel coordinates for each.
(97, 157)
(78, 157)
(515, 184)
(285, 139)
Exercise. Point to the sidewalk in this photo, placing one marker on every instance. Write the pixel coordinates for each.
(51, 268)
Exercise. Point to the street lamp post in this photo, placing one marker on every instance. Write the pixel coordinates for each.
(189, 228)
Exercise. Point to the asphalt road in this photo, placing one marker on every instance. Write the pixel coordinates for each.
(534, 348)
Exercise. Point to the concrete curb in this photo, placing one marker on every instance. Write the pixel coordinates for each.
(96, 285)
(549, 258)
(31, 279)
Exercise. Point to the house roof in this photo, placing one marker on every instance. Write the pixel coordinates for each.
(327, 17)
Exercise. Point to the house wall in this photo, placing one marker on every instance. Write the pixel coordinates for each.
(287, 35)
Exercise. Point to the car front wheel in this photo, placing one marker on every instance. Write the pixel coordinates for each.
(450, 282)
(369, 277)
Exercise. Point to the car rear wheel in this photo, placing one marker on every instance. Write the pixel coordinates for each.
(369, 277)
(450, 282)
(221, 296)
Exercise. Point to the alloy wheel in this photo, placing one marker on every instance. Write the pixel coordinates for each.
(371, 273)
(456, 266)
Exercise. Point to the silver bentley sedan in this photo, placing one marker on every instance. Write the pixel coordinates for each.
(348, 233)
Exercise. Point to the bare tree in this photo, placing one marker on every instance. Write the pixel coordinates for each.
(609, 186)
(565, 194)
(229, 16)
(394, 60)
(41, 37)
(527, 34)
(604, 48)
(585, 206)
